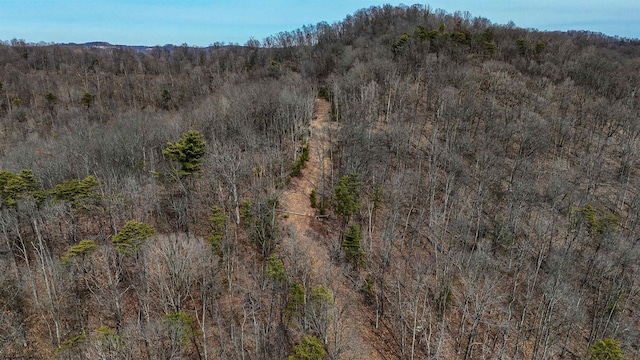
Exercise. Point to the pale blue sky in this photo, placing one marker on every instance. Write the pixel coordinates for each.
(203, 22)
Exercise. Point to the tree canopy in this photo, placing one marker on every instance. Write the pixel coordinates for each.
(188, 151)
(346, 195)
(131, 237)
(606, 349)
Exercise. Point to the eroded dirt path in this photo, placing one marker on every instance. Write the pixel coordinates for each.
(308, 239)
(300, 217)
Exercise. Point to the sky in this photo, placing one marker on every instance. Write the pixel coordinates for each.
(204, 22)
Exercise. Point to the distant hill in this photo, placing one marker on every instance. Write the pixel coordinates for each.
(140, 48)
(106, 45)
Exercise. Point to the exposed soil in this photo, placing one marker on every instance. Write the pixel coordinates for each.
(311, 237)
(299, 218)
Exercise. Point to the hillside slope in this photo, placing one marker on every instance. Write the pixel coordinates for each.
(477, 195)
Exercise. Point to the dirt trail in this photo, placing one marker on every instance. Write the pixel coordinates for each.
(295, 200)
(298, 217)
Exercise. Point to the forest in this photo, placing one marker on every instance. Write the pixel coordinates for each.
(406, 183)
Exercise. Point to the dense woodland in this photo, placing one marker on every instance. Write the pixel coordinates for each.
(483, 200)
